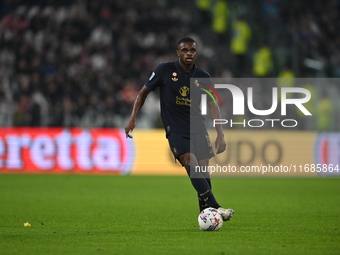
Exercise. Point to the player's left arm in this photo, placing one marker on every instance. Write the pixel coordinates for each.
(220, 144)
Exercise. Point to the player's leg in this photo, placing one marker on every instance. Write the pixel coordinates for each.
(181, 146)
(226, 213)
(204, 163)
(204, 152)
(198, 180)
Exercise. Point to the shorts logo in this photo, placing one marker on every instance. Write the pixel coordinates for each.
(184, 91)
(208, 140)
(152, 75)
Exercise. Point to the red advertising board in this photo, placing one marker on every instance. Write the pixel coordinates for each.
(58, 150)
(107, 151)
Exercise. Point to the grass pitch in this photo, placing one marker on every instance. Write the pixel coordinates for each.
(73, 214)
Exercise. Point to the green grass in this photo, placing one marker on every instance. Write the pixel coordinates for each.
(72, 214)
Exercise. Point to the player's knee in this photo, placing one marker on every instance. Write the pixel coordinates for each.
(187, 165)
(189, 162)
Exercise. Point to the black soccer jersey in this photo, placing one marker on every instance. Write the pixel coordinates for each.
(177, 98)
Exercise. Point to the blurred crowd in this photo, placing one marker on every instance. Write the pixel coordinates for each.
(315, 26)
(82, 62)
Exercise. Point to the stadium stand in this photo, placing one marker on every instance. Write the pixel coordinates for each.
(81, 63)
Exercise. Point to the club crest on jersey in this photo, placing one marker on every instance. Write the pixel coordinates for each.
(174, 74)
(184, 91)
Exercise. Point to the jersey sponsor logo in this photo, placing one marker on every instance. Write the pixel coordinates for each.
(152, 75)
(184, 91)
(183, 101)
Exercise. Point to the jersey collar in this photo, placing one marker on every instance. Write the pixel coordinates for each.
(180, 69)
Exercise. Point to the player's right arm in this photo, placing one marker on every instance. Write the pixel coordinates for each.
(139, 102)
(154, 81)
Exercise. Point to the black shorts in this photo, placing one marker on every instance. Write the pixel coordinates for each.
(198, 144)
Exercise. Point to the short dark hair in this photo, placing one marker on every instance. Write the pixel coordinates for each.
(186, 39)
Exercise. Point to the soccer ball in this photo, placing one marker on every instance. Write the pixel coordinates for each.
(210, 219)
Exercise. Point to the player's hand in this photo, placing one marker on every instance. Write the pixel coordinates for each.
(220, 144)
(129, 128)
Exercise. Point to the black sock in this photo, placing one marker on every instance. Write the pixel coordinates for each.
(201, 203)
(202, 186)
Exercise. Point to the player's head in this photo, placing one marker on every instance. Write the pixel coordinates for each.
(186, 40)
(187, 50)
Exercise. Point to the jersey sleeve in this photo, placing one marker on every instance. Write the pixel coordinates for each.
(155, 79)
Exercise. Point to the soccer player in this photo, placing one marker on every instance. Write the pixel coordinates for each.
(190, 147)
